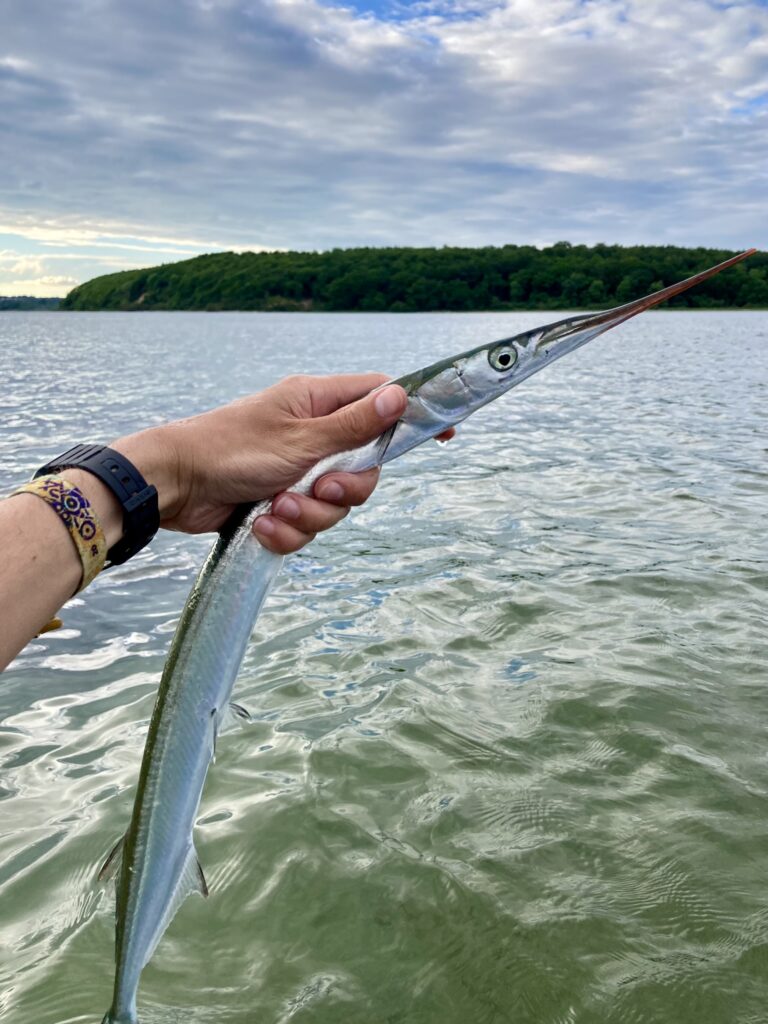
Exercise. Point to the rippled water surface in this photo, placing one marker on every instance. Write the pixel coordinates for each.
(509, 752)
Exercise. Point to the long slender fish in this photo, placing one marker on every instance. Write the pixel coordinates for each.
(159, 866)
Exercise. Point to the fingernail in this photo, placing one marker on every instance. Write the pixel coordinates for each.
(287, 507)
(264, 525)
(388, 401)
(330, 491)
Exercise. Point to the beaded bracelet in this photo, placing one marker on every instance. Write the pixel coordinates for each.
(74, 510)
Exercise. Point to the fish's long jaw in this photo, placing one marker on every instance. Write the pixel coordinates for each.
(491, 370)
(619, 314)
(565, 335)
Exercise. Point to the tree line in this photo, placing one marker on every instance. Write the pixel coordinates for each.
(27, 302)
(509, 277)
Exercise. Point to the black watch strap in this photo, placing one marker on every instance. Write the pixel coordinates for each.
(141, 515)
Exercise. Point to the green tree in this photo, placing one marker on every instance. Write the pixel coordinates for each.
(559, 277)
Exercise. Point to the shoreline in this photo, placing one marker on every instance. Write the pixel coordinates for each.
(398, 313)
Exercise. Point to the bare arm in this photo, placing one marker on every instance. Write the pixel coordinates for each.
(203, 467)
(40, 565)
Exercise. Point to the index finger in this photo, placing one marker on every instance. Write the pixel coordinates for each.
(331, 393)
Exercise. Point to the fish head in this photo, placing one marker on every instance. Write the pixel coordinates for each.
(452, 389)
(447, 392)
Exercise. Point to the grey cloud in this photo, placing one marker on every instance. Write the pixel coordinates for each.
(293, 126)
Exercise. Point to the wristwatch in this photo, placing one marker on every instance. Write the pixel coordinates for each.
(138, 499)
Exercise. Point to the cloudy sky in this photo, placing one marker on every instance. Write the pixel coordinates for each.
(140, 132)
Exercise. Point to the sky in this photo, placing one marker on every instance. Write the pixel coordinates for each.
(139, 133)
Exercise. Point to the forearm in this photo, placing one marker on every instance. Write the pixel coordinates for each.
(41, 567)
(202, 469)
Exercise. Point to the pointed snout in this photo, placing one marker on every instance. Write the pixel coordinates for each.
(566, 335)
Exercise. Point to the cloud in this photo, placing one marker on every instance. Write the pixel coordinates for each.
(53, 273)
(74, 231)
(52, 287)
(58, 281)
(160, 131)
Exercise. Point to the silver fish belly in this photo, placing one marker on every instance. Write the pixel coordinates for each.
(159, 865)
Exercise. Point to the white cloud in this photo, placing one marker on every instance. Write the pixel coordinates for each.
(45, 287)
(74, 231)
(16, 64)
(167, 130)
(58, 280)
(53, 273)
(26, 265)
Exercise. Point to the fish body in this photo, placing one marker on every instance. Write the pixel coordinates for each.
(159, 865)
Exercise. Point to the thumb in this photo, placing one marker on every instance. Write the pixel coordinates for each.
(360, 421)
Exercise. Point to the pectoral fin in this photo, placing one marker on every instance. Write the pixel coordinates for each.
(202, 885)
(111, 865)
(232, 717)
(238, 711)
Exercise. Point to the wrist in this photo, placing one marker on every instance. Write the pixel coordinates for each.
(102, 500)
(154, 455)
(137, 499)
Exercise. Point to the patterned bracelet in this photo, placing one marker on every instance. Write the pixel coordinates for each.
(74, 510)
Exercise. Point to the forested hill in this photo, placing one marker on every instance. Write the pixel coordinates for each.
(562, 276)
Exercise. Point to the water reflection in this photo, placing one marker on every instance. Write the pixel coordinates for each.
(507, 756)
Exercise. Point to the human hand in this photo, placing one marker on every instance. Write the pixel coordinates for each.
(257, 447)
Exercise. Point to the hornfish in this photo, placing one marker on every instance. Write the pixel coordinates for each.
(155, 862)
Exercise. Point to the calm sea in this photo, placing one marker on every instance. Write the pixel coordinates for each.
(509, 752)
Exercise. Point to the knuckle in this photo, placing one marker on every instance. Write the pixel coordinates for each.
(295, 380)
(356, 421)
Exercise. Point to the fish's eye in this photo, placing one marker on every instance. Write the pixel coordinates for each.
(503, 357)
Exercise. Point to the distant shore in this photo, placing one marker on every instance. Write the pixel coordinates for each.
(27, 302)
(447, 312)
(510, 278)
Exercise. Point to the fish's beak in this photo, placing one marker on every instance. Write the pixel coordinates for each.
(564, 336)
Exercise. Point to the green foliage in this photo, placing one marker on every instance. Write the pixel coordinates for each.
(560, 277)
(27, 302)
